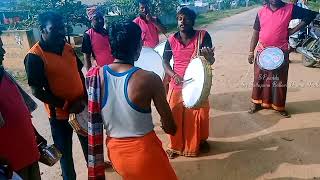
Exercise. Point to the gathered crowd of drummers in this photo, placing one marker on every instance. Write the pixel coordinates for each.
(115, 96)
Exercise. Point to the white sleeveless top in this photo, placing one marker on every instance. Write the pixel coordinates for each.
(121, 117)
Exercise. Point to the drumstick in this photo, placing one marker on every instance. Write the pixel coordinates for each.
(187, 80)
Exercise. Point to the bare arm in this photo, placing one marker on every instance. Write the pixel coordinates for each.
(254, 40)
(160, 26)
(162, 106)
(306, 15)
(87, 61)
(253, 44)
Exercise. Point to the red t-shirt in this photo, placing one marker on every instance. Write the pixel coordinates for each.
(17, 139)
(149, 35)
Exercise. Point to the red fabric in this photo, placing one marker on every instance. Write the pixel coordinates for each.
(192, 125)
(18, 143)
(95, 139)
(101, 48)
(274, 26)
(270, 87)
(149, 36)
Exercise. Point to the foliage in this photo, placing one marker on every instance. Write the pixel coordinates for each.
(314, 5)
(129, 8)
(73, 11)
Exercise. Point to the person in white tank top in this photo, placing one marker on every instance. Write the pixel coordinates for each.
(135, 151)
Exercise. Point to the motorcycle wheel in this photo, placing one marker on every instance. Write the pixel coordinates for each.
(307, 62)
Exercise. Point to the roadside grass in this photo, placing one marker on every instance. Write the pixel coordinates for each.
(212, 16)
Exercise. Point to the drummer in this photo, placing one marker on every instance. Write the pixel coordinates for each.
(96, 40)
(270, 88)
(150, 25)
(55, 77)
(193, 124)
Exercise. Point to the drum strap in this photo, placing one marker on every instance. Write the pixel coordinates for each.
(198, 44)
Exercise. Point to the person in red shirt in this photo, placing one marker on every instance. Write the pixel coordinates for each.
(96, 40)
(18, 145)
(192, 124)
(150, 25)
(270, 29)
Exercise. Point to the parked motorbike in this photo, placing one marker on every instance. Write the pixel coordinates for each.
(310, 45)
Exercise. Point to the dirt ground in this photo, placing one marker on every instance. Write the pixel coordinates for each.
(243, 146)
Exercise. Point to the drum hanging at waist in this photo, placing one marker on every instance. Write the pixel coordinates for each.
(270, 59)
(79, 122)
(197, 82)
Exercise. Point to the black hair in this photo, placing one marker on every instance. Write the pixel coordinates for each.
(49, 16)
(125, 39)
(188, 12)
(144, 2)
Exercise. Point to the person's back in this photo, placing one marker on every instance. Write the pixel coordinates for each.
(125, 106)
(125, 91)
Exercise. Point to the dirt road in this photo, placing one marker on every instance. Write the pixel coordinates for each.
(243, 146)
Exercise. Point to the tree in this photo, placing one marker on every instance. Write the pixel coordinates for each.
(74, 12)
(129, 8)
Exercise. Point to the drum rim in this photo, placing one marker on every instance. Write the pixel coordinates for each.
(78, 129)
(270, 47)
(205, 92)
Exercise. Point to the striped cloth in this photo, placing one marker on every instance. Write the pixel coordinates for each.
(96, 165)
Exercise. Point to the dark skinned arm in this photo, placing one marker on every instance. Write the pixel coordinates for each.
(253, 45)
(162, 106)
(167, 55)
(86, 49)
(306, 16)
(160, 26)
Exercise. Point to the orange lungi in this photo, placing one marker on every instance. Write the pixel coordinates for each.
(192, 125)
(140, 158)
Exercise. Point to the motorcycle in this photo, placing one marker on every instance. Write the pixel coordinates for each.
(310, 45)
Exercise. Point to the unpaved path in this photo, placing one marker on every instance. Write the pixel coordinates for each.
(244, 147)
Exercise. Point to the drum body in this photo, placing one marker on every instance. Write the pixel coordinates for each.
(160, 49)
(79, 122)
(271, 58)
(150, 60)
(197, 82)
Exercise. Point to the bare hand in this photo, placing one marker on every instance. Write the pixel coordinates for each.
(170, 129)
(177, 79)
(7, 168)
(77, 107)
(208, 53)
(251, 58)
(291, 31)
(149, 18)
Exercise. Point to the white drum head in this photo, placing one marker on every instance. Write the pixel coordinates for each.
(150, 60)
(160, 49)
(270, 58)
(193, 82)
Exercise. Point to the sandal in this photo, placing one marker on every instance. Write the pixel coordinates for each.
(285, 114)
(204, 147)
(254, 108)
(171, 154)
